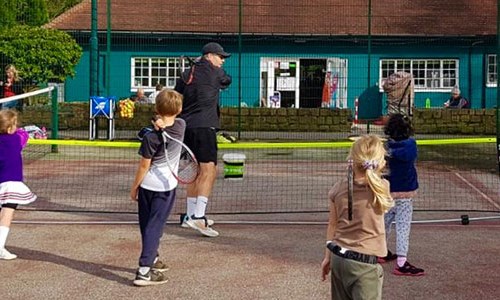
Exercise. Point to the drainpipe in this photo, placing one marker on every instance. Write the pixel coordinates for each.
(470, 73)
(240, 22)
(369, 42)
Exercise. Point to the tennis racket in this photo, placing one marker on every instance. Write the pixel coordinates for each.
(350, 187)
(180, 160)
(187, 77)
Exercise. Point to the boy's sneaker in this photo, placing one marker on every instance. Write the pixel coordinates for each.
(408, 270)
(152, 277)
(201, 224)
(185, 218)
(4, 254)
(389, 257)
(159, 266)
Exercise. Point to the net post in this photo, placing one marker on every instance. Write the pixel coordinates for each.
(55, 118)
(111, 118)
(497, 109)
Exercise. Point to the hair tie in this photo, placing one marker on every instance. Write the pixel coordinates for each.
(370, 165)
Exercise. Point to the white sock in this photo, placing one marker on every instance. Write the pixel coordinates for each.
(190, 206)
(201, 206)
(4, 232)
(401, 261)
(144, 270)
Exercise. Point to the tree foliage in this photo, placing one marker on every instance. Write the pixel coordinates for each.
(40, 55)
(57, 7)
(7, 13)
(23, 12)
(32, 12)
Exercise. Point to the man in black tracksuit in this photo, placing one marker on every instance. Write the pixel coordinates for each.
(201, 87)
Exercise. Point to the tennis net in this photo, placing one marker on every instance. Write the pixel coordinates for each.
(95, 176)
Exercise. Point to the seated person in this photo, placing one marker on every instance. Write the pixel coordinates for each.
(456, 100)
(140, 97)
(152, 96)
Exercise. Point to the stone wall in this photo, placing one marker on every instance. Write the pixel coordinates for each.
(455, 121)
(287, 119)
(439, 121)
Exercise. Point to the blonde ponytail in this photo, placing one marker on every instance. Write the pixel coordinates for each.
(368, 155)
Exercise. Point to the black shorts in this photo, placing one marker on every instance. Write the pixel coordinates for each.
(203, 143)
(8, 205)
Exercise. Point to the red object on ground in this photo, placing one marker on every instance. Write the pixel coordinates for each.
(356, 121)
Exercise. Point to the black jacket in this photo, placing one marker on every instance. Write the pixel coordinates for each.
(201, 87)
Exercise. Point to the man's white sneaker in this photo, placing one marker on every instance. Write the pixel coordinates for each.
(201, 224)
(4, 254)
(185, 218)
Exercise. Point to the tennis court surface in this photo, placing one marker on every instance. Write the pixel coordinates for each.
(272, 225)
(246, 262)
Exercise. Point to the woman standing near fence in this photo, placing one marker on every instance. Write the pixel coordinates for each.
(355, 233)
(10, 85)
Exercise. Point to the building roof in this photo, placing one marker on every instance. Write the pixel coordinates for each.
(290, 17)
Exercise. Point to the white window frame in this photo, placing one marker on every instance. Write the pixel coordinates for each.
(425, 81)
(494, 72)
(164, 70)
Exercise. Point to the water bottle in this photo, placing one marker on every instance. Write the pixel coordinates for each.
(428, 103)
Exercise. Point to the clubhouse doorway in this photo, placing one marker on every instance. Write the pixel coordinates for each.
(303, 82)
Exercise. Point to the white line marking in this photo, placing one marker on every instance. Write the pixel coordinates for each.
(48, 222)
(477, 190)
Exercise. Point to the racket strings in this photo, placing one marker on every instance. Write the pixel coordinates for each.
(188, 167)
(172, 154)
(180, 160)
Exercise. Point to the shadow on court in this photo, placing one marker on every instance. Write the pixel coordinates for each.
(245, 262)
(100, 270)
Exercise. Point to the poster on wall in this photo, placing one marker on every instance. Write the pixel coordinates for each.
(327, 90)
(275, 100)
(335, 87)
(330, 98)
(285, 83)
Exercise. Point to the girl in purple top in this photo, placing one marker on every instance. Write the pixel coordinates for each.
(12, 189)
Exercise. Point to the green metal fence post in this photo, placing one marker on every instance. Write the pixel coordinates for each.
(240, 12)
(55, 119)
(108, 48)
(498, 85)
(94, 59)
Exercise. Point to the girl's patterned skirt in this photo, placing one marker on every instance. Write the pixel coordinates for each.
(15, 192)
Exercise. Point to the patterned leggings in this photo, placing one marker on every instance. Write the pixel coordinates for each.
(402, 213)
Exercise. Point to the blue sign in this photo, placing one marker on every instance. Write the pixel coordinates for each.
(101, 106)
